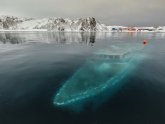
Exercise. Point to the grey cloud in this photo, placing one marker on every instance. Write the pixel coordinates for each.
(112, 12)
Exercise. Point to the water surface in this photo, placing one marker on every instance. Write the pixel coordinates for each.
(33, 66)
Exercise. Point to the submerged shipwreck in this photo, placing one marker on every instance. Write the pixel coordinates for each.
(105, 69)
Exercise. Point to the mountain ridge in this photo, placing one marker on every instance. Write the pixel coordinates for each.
(90, 24)
(51, 24)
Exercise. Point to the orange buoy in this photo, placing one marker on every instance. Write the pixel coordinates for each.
(145, 42)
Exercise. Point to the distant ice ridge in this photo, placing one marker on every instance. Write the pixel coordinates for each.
(11, 23)
(50, 24)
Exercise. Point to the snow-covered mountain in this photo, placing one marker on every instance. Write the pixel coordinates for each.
(51, 24)
(11, 23)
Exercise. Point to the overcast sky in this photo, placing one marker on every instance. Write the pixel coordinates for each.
(111, 12)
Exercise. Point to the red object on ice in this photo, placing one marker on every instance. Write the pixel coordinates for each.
(145, 42)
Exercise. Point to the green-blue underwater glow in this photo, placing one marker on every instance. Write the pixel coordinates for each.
(101, 73)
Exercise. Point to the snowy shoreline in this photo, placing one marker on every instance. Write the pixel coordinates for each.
(45, 30)
(34, 30)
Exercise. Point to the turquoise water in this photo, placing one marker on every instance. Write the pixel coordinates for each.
(100, 73)
(35, 66)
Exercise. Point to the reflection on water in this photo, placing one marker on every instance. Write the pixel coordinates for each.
(11, 38)
(48, 37)
(66, 37)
